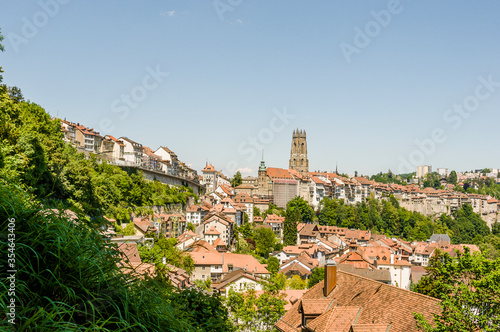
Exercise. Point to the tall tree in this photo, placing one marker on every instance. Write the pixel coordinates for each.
(292, 218)
(236, 180)
(452, 178)
(264, 241)
(273, 265)
(317, 275)
(306, 212)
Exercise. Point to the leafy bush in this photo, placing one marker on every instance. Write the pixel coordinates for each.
(68, 278)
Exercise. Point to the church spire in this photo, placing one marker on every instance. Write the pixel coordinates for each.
(262, 167)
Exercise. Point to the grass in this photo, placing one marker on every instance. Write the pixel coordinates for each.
(68, 280)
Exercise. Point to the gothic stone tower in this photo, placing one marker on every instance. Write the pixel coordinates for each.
(298, 154)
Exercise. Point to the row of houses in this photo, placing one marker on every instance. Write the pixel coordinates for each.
(392, 261)
(125, 151)
(279, 186)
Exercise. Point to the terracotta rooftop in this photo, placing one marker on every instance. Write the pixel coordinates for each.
(380, 305)
(273, 218)
(212, 231)
(279, 173)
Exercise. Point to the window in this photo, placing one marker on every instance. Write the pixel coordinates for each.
(203, 277)
(203, 268)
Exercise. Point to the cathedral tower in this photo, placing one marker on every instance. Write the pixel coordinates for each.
(298, 154)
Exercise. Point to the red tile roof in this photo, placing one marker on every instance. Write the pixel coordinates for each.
(278, 173)
(212, 231)
(274, 218)
(208, 169)
(381, 305)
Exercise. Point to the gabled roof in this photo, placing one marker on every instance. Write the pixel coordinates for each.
(123, 138)
(129, 252)
(209, 169)
(212, 231)
(144, 225)
(296, 268)
(167, 150)
(219, 243)
(233, 277)
(201, 246)
(358, 234)
(380, 304)
(243, 198)
(335, 319)
(278, 173)
(274, 218)
(374, 274)
(248, 262)
(119, 142)
(309, 230)
(245, 186)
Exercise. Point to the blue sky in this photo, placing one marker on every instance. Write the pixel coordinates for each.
(377, 85)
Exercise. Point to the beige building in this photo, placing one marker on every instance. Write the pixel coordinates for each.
(210, 265)
(112, 148)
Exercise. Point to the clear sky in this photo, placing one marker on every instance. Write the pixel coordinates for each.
(377, 85)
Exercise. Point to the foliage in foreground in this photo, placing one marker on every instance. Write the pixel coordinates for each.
(68, 279)
(251, 312)
(469, 287)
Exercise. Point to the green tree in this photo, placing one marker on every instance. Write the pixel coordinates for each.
(205, 310)
(270, 308)
(256, 211)
(129, 229)
(246, 230)
(292, 218)
(327, 214)
(469, 287)
(273, 265)
(452, 178)
(264, 241)
(165, 249)
(495, 228)
(306, 212)
(296, 282)
(236, 180)
(190, 227)
(276, 283)
(317, 275)
(15, 94)
(242, 308)
(250, 312)
(242, 246)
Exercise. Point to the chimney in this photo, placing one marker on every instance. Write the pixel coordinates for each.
(330, 277)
